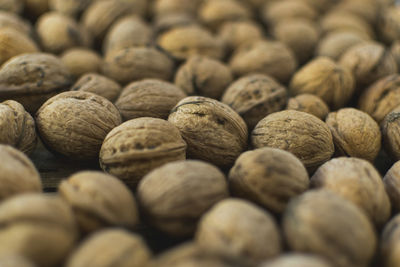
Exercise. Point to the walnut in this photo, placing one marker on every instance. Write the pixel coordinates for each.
(31, 79)
(13, 43)
(389, 24)
(136, 63)
(309, 103)
(37, 226)
(357, 181)
(98, 84)
(148, 98)
(71, 8)
(255, 96)
(75, 123)
(268, 177)
(169, 21)
(237, 33)
(391, 181)
(110, 247)
(238, 228)
(136, 147)
(213, 131)
(15, 22)
(355, 134)
(368, 10)
(17, 127)
(165, 7)
(80, 61)
(300, 133)
(390, 132)
(283, 10)
(18, 175)
(297, 260)
(319, 222)
(266, 57)
(390, 245)
(324, 78)
(14, 261)
(203, 76)
(14, 6)
(175, 196)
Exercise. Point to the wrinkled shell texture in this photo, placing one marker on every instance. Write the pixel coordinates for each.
(148, 98)
(174, 196)
(31, 79)
(38, 227)
(390, 132)
(269, 177)
(310, 227)
(75, 123)
(112, 247)
(213, 131)
(300, 133)
(80, 61)
(99, 200)
(390, 244)
(255, 96)
(98, 84)
(357, 181)
(238, 228)
(17, 127)
(355, 133)
(309, 103)
(297, 260)
(326, 79)
(136, 147)
(391, 181)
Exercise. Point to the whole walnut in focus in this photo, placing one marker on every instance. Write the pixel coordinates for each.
(389, 24)
(300, 133)
(75, 123)
(297, 260)
(13, 43)
(357, 181)
(237, 33)
(14, 6)
(392, 185)
(98, 84)
(203, 76)
(80, 61)
(17, 127)
(309, 103)
(72, 8)
(255, 96)
(390, 131)
(289, 9)
(324, 78)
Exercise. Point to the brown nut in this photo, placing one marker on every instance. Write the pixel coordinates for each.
(203, 76)
(321, 5)
(136, 147)
(17, 173)
(268, 177)
(15, 22)
(390, 131)
(17, 127)
(265, 57)
(390, 245)
(282, 10)
(255, 96)
(240, 229)
(14, 261)
(80, 61)
(13, 43)
(389, 24)
(31, 79)
(98, 84)
(322, 223)
(324, 78)
(237, 33)
(71, 8)
(148, 98)
(368, 10)
(300, 133)
(297, 260)
(369, 62)
(14, 6)
(355, 134)
(391, 181)
(185, 41)
(166, 7)
(358, 181)
(99, 200)
(37, 226)
(169, 21)
(213, 131)
(136, 63)
(309, 103)
(174, 197)
(75, 123)
(114, 247)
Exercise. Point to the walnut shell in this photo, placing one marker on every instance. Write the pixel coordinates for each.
(390, 244)
(237, 33)
(169, 21)
(16, 22)
(238, 228)
(165, 7)
(31, 79)
(255, 96)
(355, 134)
(111, 247)
(71, 8)
(175, 196)
(213, 131)
(368, 62)
(185, 41)
(268, 177)
(13, 43)
(300, 133)
(80, 61)
(322, 223)
(148, 98)
(99, 200)
(357, 181)
(324, 78)
(391, 181)
(37, 226)
(309, 103)
(368, 10)
(17, 127)
(136, 147)
(75, 123)
(390, 132)
(14, 6)
(18, 175)
(389, 24)
(98, 84)
(297, 260)
(282, 10)
(203, 76)
(136, 63)
(14, 261)
(36, 8)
